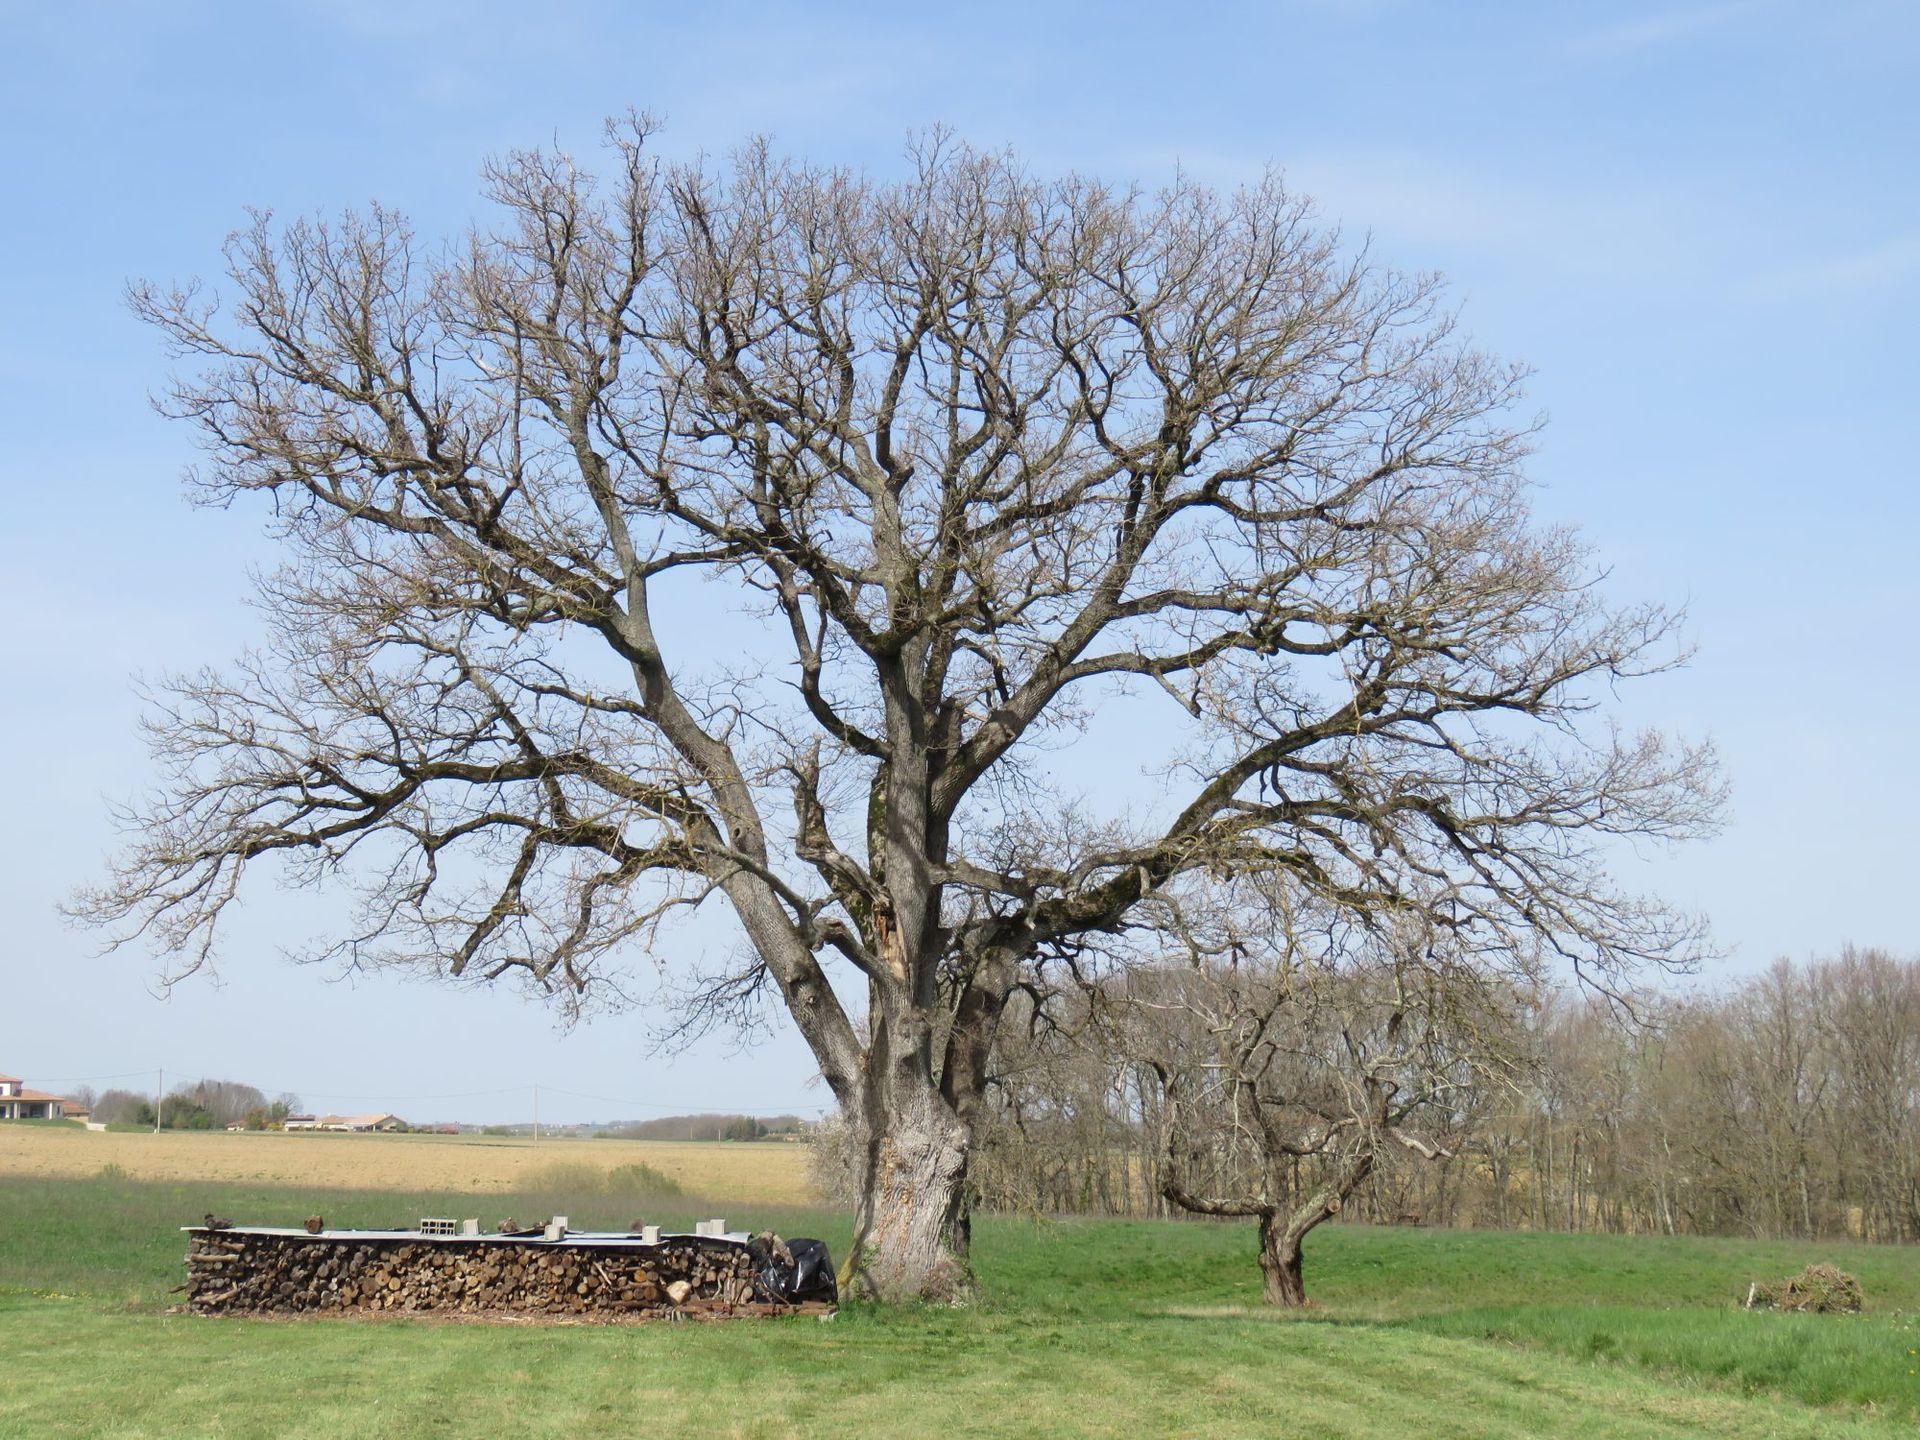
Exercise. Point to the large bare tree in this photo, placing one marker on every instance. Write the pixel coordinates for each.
(982, 449)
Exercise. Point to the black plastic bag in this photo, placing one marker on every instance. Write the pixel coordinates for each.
(790, 1271)
(813, 1271)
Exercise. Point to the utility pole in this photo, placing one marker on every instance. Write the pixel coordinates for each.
(159, 1089)
(536, 1114)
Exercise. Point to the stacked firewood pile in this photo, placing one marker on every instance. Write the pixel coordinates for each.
(246, 1272)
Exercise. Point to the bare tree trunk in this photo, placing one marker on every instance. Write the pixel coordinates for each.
(912, 1226)
(1283, 1282)
(1281, 1262)
(1546, 1193)
(1573, 1184)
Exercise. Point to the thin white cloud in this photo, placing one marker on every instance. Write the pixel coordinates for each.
(1663, 29)
(1701, 245)
(1871, 271)
(1419, 204)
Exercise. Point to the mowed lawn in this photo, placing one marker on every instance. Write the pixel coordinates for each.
(763, 1172)
(1086, 1328)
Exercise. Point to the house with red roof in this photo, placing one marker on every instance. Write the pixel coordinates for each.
(19, 1103)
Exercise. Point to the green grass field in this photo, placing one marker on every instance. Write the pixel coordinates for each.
(1086, 1328)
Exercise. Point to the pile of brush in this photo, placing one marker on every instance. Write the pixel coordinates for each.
(1817, 1290)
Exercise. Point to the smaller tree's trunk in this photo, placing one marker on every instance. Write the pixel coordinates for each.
(1282, 1266)
(1283, 1282)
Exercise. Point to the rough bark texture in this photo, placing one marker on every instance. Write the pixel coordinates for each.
(1283, 1233)
(911, 1231)
(1283, 1278)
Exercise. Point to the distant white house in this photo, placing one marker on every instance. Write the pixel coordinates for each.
(301, 1122)
(19, 1103)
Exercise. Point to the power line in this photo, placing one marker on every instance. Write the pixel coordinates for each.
(387, 1095)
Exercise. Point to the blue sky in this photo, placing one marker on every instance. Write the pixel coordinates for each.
(1698, 223)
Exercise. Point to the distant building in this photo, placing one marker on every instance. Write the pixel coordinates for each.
(357, 1124)
(386, 1124)
(19, 1103)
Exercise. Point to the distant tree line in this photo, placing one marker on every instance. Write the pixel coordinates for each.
(1786, 1105)
(195, 1105)
(706, 1127)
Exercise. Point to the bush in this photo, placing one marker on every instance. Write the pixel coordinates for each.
(624, 1182)
(1817, 1290)
(642, 1181)
(833, 1162)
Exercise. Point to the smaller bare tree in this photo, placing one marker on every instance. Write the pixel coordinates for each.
(1284, 1068)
